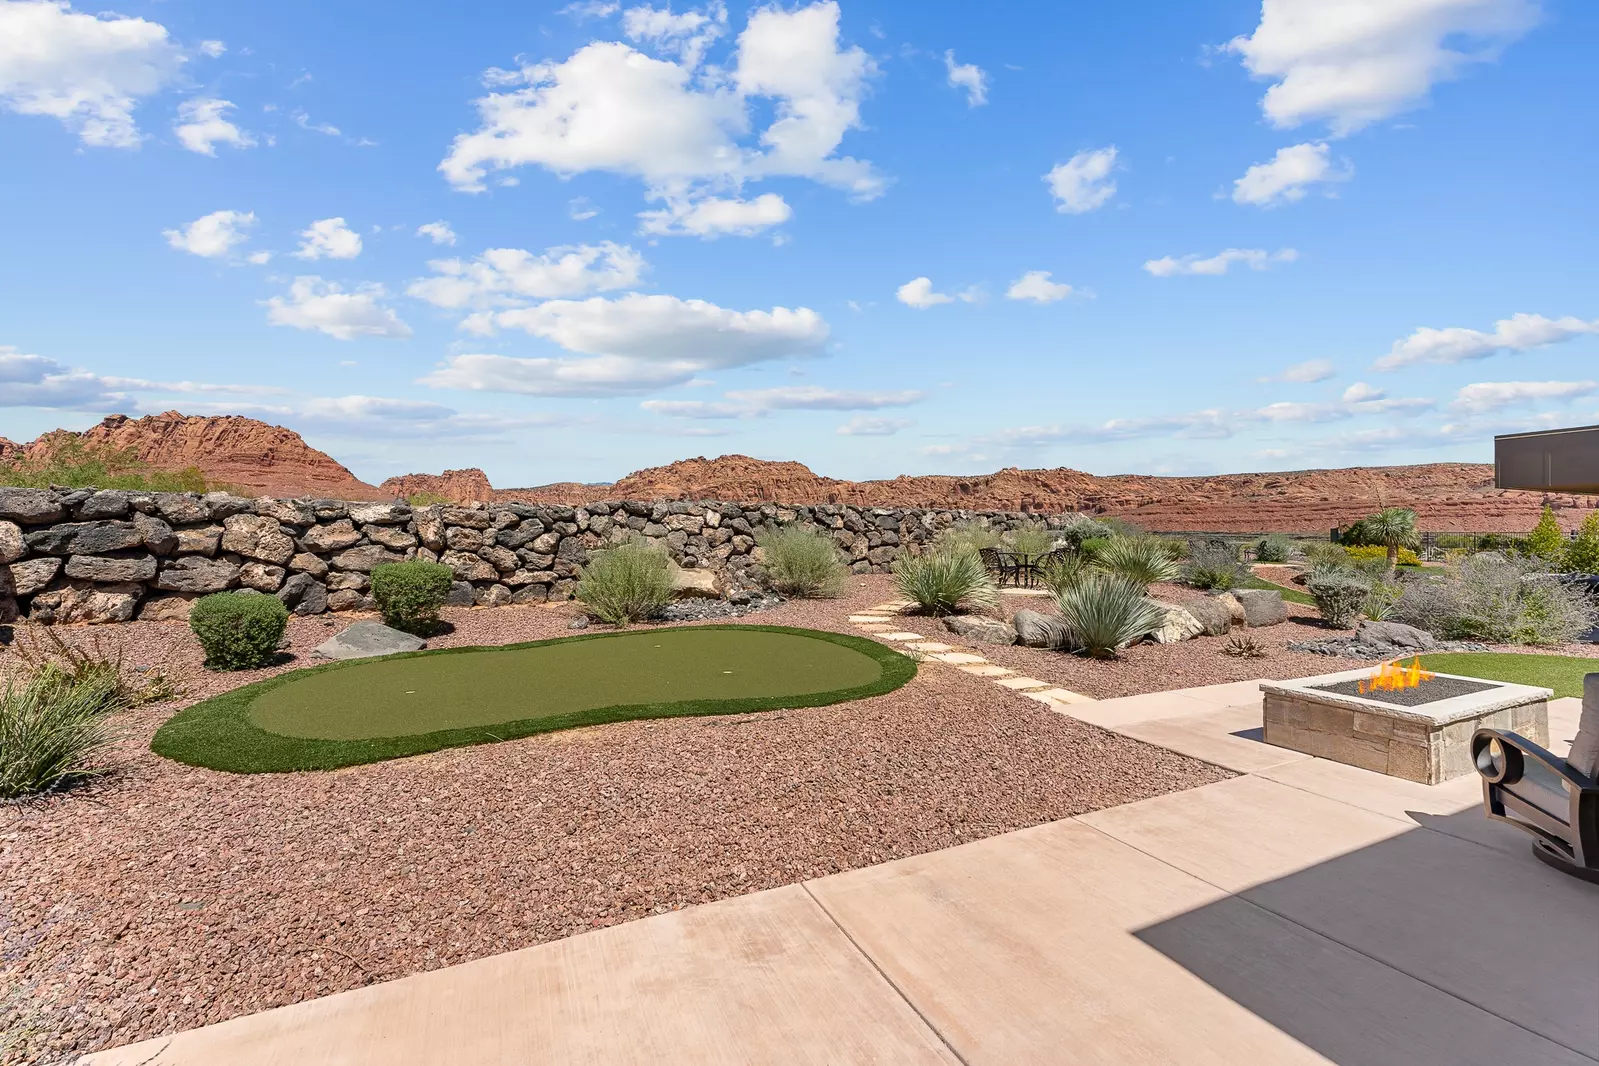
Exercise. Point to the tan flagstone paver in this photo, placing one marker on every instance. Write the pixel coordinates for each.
(959, 658)
(765, 978)
(1022, 683)
(931, 645)
(1058, 696)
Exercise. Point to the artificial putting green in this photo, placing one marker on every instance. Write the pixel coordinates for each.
(365, 710)
(1562, 673)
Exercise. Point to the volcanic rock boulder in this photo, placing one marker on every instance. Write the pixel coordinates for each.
(1262, 607)
(1214, 617)
(983, 630)
(1040, 630)
(361, 640)
(1177, 624)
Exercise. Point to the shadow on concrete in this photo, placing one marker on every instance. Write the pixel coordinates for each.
(1443, 944)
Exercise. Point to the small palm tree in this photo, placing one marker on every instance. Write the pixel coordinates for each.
(1393, 528)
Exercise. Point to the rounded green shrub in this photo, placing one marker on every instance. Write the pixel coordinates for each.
(238, 631)
(410, 594)
(1274, 548)
(1340, 596)
(802, 561)
(627, 583)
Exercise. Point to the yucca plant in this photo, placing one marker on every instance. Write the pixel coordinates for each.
(53, 729)
(944, 582)
(627, 583)
(1142, 560)
(1032, 538)
(1105, 612)
(1064, 572)
(802, 561)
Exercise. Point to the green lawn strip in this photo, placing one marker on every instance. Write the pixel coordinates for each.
(1254, 581)
(219, 734)
(1562, 673)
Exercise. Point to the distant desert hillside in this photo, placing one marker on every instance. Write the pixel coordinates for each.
(253, 456)
(263, 458)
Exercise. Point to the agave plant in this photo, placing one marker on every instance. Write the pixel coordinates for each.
(944, 582)
(1145, 561)
(1106, 612)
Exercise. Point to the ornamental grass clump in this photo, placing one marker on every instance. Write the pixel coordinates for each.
(969, 534)
(1105, 612)
(410, 594)
(1275, 548)
(802, 561)
(54, 729)
(945, 582)
(238, 631)
(627, 583)
(1144, 561)
(1032, 538)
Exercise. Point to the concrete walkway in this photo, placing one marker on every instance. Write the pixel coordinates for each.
(1304, 912)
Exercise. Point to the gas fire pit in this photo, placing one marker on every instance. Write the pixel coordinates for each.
(1399, 720)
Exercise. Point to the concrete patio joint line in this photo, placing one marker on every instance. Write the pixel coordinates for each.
(932, 1027)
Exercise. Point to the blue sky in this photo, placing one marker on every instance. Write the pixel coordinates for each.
(569, 241)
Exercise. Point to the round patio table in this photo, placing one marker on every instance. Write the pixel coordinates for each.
(1022, 568)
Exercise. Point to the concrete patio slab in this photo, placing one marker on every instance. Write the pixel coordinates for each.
(1228, 737)
(1125, 710)
(766, 978)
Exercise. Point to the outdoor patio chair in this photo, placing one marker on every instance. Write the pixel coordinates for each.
(1555, 801)
(998, 563)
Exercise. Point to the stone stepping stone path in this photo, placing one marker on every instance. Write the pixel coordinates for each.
(880, 622)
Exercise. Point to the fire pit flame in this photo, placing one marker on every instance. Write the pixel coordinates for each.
(1394, 676)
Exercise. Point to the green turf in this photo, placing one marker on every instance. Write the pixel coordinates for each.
(356, 712)
(1563, 673)
(1292, 595)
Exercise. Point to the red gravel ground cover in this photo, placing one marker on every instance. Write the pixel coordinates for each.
(164, 897)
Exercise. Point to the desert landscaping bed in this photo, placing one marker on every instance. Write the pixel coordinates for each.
(165, 896)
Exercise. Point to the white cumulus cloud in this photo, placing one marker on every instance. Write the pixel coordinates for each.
(1354, 62)
(1083, 183)
(715, 216)
(203, 124)
(864, 426)
(1306, 373)
(967, 76)
(1254, 258)
(818, 398)
(328, 238)
(1518, 333)
(437, 232)
(314, 304)
(918, 293)
(687, 34)
(212, 236)
(1485, 396)
(88, 71)
(1289, 175)
(1036, 286)
(502, 277)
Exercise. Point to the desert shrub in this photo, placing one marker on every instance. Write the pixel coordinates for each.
(1377, 553)
(1105, 612)
(1546, 541)
(1340, 596)
(969, 534)
(1321, 552)
(238, 631)
(802, 561)
(53, 728)
(1141, 560)
(944, 582)
(626, 583)
(427, 499)
(1496, 598)
(1275, 548)
(1090, 548)
(71, 463)
(1032, 538)
(1582, 554)
(1121, 527)
(1176, 547)
(410, 594)
(1079, 528)
(1212, 565)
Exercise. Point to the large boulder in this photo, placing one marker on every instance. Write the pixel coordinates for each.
(196, 573)
(257, 537)
(1262, 607)
(304, 594)
(1040, 630)
(94, 605)
(84, 538)
(696, 583)
(181, 509)
(365, 558)
(1177, 624)
(224, 505)
(107, 503)
(362, 640)
(493, 596)
(461, 595)
(156, 534)
(1215, 618)
(390, 537)
(983, 630)
(1235, 607)
(262, 577)
(202, 541)
(1397, 635)
(30, 507)
(382, 514)
(469, 567)
(335, 536)
(174, 607)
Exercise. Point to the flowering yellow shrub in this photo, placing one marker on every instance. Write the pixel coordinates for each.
(1377, 551)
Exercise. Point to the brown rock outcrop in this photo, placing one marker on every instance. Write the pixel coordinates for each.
(455, 486)
(260, 458)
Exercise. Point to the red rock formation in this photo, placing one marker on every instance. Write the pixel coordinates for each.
(10, 450)
(457, 486)
(251, 456)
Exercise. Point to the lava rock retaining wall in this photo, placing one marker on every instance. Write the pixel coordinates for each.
(86, 555)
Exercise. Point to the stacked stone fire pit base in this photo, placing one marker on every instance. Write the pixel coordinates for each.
(1428, 741)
